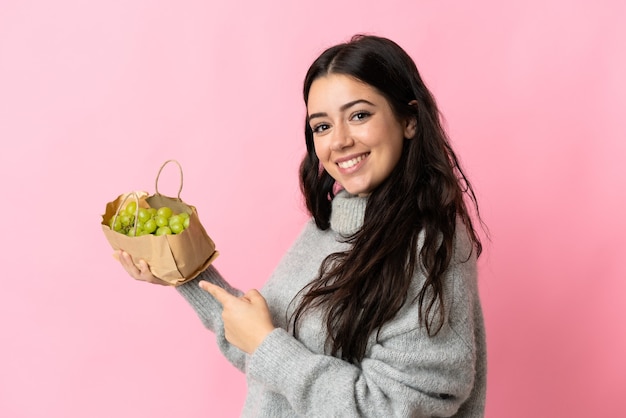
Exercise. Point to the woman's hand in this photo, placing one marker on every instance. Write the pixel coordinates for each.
(142, 273)
(247, 319)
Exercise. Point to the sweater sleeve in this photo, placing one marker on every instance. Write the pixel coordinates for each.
(209, 310)
(405, 372)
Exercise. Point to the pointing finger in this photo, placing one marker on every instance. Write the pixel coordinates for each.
(217, 292)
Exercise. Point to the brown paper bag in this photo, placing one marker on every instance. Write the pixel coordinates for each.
(174, 259)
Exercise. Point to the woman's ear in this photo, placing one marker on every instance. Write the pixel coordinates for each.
(410, 126)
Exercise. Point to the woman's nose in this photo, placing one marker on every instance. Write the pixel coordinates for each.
(341, 138)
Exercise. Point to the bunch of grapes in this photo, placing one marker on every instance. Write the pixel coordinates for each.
(161, 221)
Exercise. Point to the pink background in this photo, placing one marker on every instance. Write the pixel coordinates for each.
(94, 96)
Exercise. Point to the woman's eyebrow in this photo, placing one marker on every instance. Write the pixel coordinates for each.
(342, 108)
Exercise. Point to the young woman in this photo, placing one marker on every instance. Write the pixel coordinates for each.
(374, 311)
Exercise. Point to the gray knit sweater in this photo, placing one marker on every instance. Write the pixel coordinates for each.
(404, 374)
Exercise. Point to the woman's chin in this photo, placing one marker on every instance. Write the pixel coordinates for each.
(356, 191)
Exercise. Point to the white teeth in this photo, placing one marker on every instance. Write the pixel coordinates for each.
(351, 163)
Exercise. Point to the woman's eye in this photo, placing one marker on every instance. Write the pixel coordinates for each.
(319, 128)
(360, 116)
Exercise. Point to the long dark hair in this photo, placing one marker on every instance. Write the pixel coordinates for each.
(363, 288)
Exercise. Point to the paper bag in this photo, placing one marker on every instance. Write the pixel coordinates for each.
(175, 258)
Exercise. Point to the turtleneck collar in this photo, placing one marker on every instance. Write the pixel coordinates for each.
(348, 213)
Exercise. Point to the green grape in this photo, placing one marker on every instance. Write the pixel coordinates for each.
(161, 220)
(165, 212)
(144, 215)
(150, 226)
(177, 228)
(117, 225)
(125, 219)
(175, 219)
(131, 208)
(163, 230)
(133, 221)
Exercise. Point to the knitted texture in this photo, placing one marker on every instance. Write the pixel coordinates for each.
(405, 373)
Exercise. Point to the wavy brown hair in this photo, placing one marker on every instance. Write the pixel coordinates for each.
(364, 287)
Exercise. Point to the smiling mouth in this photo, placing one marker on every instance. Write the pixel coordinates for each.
(352, 162)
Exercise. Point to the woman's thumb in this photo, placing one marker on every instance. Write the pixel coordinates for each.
(254, 295)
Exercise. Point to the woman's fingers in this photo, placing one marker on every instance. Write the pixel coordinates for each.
(139, 271)
(247, 320)
(217, 292)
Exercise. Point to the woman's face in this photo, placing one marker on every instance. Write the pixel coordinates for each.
(357, 136)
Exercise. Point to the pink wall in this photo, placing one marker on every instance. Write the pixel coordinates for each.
(94, 96)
